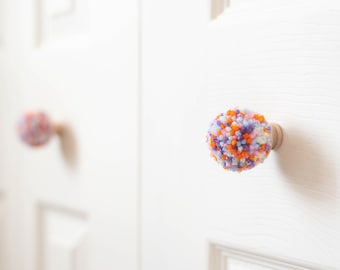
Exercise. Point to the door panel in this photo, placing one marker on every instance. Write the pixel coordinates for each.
(72, 203)
(63, 239)
(280, 59)
(2, 198)
(2, 232)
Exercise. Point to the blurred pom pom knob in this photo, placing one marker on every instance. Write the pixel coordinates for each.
(36, 129)
(240, 139)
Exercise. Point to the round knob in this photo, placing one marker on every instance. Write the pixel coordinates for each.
(240, 139)
(36, 129)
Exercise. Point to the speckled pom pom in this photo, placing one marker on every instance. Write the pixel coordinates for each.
(35, 128)
(239, 139)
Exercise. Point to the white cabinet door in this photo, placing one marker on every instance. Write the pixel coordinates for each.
(70, 205)
(279, 58)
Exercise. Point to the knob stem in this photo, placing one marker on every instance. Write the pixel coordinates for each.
(277, 136)
(58, 128)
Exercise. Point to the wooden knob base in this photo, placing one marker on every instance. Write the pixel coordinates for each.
(277, 136)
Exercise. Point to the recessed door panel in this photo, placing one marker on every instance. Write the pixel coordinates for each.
(62, 239)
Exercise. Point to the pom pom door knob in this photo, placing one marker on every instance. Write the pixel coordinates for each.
(36, 129)
(241, 139)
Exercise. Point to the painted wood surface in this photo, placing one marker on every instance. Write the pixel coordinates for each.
(280, 58)
(73, 203)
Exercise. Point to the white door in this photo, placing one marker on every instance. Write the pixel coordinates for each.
(71, 204)
(279, 58)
